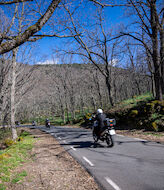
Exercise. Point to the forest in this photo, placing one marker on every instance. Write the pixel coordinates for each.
(117, 62)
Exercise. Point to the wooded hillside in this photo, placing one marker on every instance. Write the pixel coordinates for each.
(69, 88)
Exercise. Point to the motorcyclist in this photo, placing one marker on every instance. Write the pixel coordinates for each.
(46, 122)
(33, 123)
(100, 117)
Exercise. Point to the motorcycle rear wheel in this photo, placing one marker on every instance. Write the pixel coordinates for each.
(109, 141)
(95, 138)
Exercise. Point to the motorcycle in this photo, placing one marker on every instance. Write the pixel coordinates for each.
(48, 124)
(34, 123)
(108, 132)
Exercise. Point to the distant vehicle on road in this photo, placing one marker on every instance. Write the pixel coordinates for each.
(17, 123)
(33, 123)
(47, 123)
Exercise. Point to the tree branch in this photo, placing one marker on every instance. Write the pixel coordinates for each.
(12, 2)
(109, 5)
(30, 31)
(141, 41)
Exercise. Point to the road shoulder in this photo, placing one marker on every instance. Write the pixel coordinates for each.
(53, 168)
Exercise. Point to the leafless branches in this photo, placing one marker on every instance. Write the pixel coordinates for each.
(22, 37)
(13, 2)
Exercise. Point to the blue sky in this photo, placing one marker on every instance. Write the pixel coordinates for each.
(44, 47)
(42, 50)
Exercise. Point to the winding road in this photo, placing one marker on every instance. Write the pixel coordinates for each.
(132, 164)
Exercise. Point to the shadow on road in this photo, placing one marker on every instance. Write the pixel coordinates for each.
(146, 143)
(84, 144)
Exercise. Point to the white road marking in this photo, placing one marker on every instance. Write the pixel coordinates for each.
(116, 187)
(73, 148)
(89, 162)
(59, 138)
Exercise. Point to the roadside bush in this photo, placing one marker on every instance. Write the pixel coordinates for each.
(154, 126)
(4, 155)
(75, 121)
(149, 108)
(88, 116)
(142, 112)
(20, 139)
(9, 142)
(24, 133)
(162, 110)
(154, 106)
(133, 113)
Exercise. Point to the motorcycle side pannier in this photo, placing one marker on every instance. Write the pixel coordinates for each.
(109, 122)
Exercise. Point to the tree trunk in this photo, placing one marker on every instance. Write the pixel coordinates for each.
(93, 99)
(153, 86)
(162, 56)
(81, 104)
(96, 79)
(63, 116)
(67, 112)
(13, 82)
(109, 90)
(155, 55)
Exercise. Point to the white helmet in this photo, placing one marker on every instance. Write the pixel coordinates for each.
(99, 111)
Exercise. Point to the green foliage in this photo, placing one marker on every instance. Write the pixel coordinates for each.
(19, 139)
(4, 155)
(58, 120)
(5, 133)
(142, 112)
(133, 113)
(2, 187)
(136, 99)
(24, 133)
(9, 142)
(149, 108)
(12, 157)
(19, 177)
(88, 115)
(5, 178)
(154, 126)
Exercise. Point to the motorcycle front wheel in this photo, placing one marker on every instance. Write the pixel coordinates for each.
(109, 140)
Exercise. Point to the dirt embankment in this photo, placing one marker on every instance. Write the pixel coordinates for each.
(146, 135)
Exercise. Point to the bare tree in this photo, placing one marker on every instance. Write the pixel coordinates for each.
(96, 46)
(9, 41)
(5, 67)
(150, 22)
(16, 82)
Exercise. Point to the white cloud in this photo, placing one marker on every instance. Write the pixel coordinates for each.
(113, 62)
(48, 62)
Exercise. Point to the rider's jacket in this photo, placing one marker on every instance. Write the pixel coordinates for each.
(100, 119)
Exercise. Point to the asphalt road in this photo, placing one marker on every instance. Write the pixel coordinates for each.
(132, 164)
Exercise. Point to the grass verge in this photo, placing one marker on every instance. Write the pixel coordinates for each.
(12, 157)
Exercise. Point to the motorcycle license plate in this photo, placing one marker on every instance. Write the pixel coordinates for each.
(112, 132)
